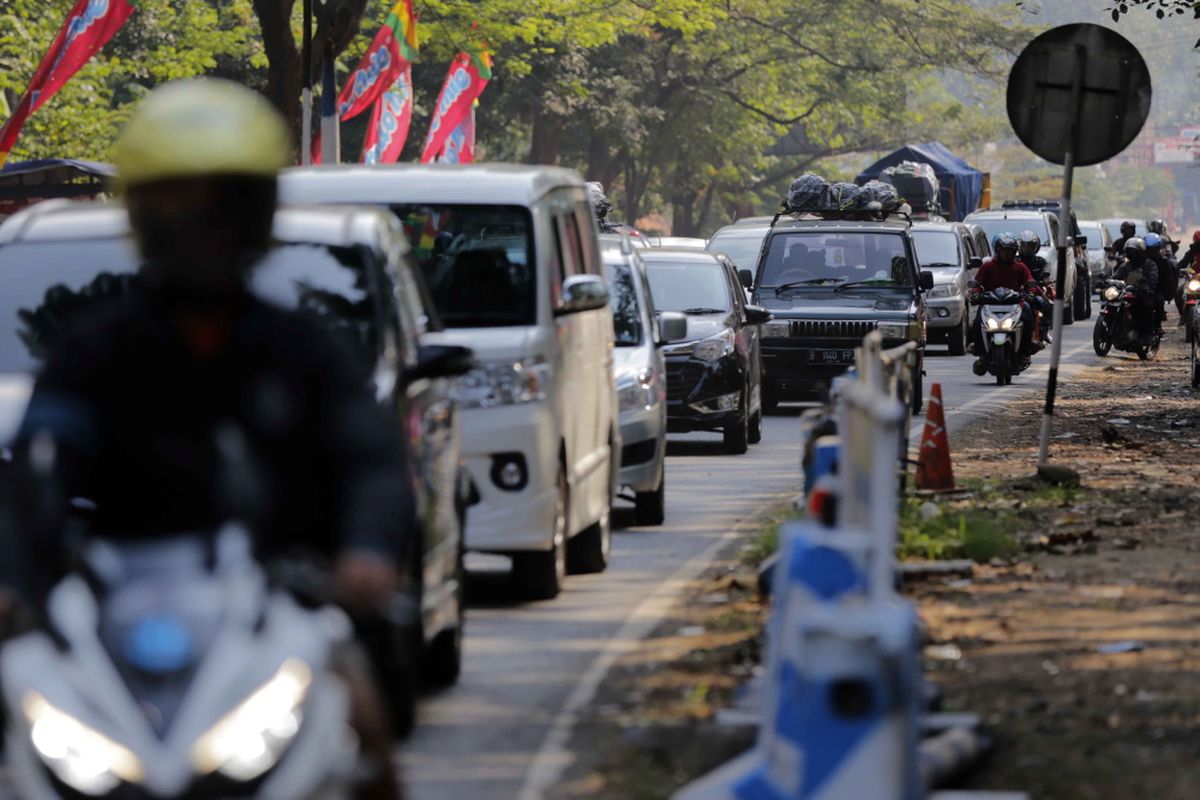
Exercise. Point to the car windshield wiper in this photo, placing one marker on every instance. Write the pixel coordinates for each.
(853, 284)
(940, 264)
(703, 310)
(783, 287)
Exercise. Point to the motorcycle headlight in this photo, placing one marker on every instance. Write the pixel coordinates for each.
(714, 347)
(84, 759)
(1112, 293)
(503, 383)
(893, 330)
(635, 392)
(249, 740)
(1007, 325)
(992, 324)
(1193, 285)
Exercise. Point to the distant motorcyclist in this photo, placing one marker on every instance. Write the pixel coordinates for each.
(1159, 226)
(1028, 245)
(136, 395)
(1168, 276)
(1141, 276)
(1003, 269)
(1128, 231)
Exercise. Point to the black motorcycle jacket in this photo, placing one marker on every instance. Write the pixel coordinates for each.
(1148, 269)
(135, 411)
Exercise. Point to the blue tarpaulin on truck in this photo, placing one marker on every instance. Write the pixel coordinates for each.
(962, 184)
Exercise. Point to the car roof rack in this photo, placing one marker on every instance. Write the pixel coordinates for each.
(1033, 205)
(842, 215)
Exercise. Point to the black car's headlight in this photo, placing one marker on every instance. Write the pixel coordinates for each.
(714, 347)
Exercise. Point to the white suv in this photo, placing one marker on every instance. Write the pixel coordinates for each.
(512, 260)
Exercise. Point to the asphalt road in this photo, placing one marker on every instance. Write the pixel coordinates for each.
(499, 733)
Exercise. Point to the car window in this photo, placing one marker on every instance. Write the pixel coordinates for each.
(994, 226)
(478, 261)
(936, 248)
(836, 256)
(572, 244)
(742, 250)
(623, 299)
(693, 287)
(45, 286)
(585, 225)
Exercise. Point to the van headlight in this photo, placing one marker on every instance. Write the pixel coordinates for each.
(636, 391)
(714, 347)
(1112, 292)
(893, 330)
(503, 383)
(84, 759)
(249, 740)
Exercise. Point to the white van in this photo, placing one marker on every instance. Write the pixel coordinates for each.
(512, 260)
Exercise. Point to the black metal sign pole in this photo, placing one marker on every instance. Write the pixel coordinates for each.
(1065, 240)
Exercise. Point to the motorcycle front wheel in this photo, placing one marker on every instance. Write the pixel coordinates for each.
(1102, 337)
(1195, 363)
(1003, 366)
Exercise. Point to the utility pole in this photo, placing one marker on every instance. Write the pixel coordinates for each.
(306, 92)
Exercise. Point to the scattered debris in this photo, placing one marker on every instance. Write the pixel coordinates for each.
(1116, 648)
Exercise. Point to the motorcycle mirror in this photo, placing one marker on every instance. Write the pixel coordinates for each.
(926, 280)
(1081, 241)
(975, 263)
(972, 284)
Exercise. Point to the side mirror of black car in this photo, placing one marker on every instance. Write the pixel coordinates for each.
(1081, 241)
(746, 277)
(926, 280)
(757, 315)
(672, 327)
(975, 263)
(441, 361)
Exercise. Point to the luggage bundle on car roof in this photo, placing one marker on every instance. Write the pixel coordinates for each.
(812, 194)
(917, 182)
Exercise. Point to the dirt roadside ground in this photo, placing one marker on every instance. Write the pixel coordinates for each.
(1083, 656)
(1081, 652)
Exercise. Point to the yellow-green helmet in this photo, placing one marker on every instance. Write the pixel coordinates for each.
(201, 127)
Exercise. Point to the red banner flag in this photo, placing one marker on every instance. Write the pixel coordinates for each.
(89, 26)
(390, 121)
(468, 77)
(393, 49)
(460, 144)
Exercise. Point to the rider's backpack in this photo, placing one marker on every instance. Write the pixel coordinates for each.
(1168, 278)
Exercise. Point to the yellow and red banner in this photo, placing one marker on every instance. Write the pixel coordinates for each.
(390, 121)
(89, 26)
(393, 50)
(468, 77)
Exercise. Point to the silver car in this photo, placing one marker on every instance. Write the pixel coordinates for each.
(950, 251)
(1099, 241)
(641, 376)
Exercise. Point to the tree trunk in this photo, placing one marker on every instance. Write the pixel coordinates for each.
(602, 165)
(283, 59)
(543, 149)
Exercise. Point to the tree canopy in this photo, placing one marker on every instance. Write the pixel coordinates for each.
(703, 108)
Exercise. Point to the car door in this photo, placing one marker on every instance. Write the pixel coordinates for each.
(748, 336)
(966, 251)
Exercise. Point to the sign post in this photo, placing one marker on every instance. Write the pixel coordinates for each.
(1077, 95)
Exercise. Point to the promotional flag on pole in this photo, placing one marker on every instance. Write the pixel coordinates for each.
(89, 26)
(460, 144)
(393, 49)
(468, 77)
(390, 120)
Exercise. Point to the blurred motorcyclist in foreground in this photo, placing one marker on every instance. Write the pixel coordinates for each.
(134, 395)
(1141, 274)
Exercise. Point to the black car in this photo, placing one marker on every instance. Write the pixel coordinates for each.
(353, 269)
(714, 376)
(830, 282)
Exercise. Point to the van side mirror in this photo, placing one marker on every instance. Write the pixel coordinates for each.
(926, 280)
(746, 278)
(672, 327)
(441, 361)
(975, 263)
(1081, 241)
(582, 293)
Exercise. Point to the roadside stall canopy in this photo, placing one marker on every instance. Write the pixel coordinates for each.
(961, 184)
(24, 183)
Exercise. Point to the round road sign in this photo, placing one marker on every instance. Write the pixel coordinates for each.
(1082, 89)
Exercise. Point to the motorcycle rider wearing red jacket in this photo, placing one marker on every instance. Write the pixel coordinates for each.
(1004, 270)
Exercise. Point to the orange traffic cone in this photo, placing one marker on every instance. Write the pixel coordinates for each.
(934, 472)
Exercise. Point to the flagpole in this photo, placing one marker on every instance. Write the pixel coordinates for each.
(306, 100)
(331, 144)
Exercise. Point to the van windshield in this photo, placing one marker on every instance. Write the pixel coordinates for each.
(478, 261)
(826, 258)
(742, 248)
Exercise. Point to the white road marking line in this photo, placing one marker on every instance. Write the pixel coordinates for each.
(554, 755)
